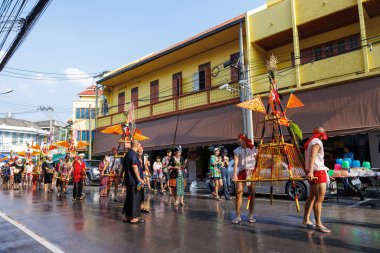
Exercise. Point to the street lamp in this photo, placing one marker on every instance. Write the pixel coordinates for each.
(6, 92)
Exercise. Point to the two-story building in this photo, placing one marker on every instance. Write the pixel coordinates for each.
(83, 118)
(329, 54)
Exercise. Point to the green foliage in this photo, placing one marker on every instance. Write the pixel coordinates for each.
(296, 130)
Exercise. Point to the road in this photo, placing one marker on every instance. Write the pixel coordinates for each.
(203, 225)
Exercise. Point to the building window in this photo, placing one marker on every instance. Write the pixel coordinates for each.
(204, 74)
(84, 135)
(121, 102)
(77, 113)
(82, 113)
(234, 68)
(317, 53)
(329, 50)
(154, 91)
(340, 45)
(353, 43)
(78, 135)
(135, 96)
(177, 84)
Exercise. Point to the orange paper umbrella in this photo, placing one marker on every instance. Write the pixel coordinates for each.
(36, 153)
(52, 147)
(254, 104)
(36, 147)
(82, 144)
(140, 137)
(64, 144)
(22, 153)
(4, 159)
(117, 129)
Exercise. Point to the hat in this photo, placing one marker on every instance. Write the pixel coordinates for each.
(215, 149)
(179, 148)
(81, 155)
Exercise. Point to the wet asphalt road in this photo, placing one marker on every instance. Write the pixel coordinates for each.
(204, 225)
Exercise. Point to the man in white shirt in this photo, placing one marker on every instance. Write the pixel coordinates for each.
(244, 164)
(315, 168)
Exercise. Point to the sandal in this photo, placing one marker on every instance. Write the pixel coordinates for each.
(322, 230)
(252, 220)
(139, 221)
(236, 221)
(309, 226)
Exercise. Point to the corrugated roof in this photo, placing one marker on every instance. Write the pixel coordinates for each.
(18, 123)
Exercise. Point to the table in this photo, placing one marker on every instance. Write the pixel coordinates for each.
(376, 176)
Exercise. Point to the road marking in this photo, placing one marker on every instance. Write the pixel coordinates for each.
(29, 232)
(361, 202)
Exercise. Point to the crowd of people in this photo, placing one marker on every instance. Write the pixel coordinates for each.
(135, 173)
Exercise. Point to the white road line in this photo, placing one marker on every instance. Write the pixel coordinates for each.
(29, 232)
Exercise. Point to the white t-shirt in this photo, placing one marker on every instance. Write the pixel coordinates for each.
(319, 163)
(29, 168)
(247, 158)
(157, 167)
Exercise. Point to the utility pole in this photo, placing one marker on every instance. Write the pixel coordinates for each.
(245, 90)
(90, 133)
(49, 111)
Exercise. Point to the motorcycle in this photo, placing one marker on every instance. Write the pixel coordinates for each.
(354, 187)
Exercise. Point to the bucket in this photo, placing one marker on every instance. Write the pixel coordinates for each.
(345, 165)
(367, 165)
(337, 166)
(339, 161)
(348, 160)
(356, 164)
(331, 173)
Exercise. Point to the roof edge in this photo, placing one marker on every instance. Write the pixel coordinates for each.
(202, 36)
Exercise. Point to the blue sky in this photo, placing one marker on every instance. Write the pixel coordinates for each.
(86, 36)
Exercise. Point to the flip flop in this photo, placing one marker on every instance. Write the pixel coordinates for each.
(139, 221)
(309, 226)
(236, 221)
(322, 230)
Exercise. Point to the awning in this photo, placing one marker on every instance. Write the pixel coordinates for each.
(103, 143)
(215, 126)
(343, 109)
(160, 132)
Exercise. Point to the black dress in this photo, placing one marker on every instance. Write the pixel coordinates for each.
(18, 175)
(48, 168)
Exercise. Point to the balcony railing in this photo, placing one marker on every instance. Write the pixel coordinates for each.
(188, 102)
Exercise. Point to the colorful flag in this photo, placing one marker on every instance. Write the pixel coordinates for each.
(255, 104)
(117, 129)
(294, 102)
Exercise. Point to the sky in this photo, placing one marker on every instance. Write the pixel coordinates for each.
(79, 38)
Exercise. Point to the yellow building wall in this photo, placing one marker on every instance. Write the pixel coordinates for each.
(308, 10)
(270, 20)
(188, 67)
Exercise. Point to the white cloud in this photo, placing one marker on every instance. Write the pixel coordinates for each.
(2, 54)
(78, 76)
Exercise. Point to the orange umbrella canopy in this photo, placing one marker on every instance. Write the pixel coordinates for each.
(36, 147)
(117, 130)
(140, 137)
(52, 147)
(64, 144)
(22, 153)
(82, 144)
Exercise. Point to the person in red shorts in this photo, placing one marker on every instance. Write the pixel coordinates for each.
(315, 168)
(244, 164)
(79, 174)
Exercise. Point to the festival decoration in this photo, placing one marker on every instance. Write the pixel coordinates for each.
(255, 104)
(293, 102)
(278, 160)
